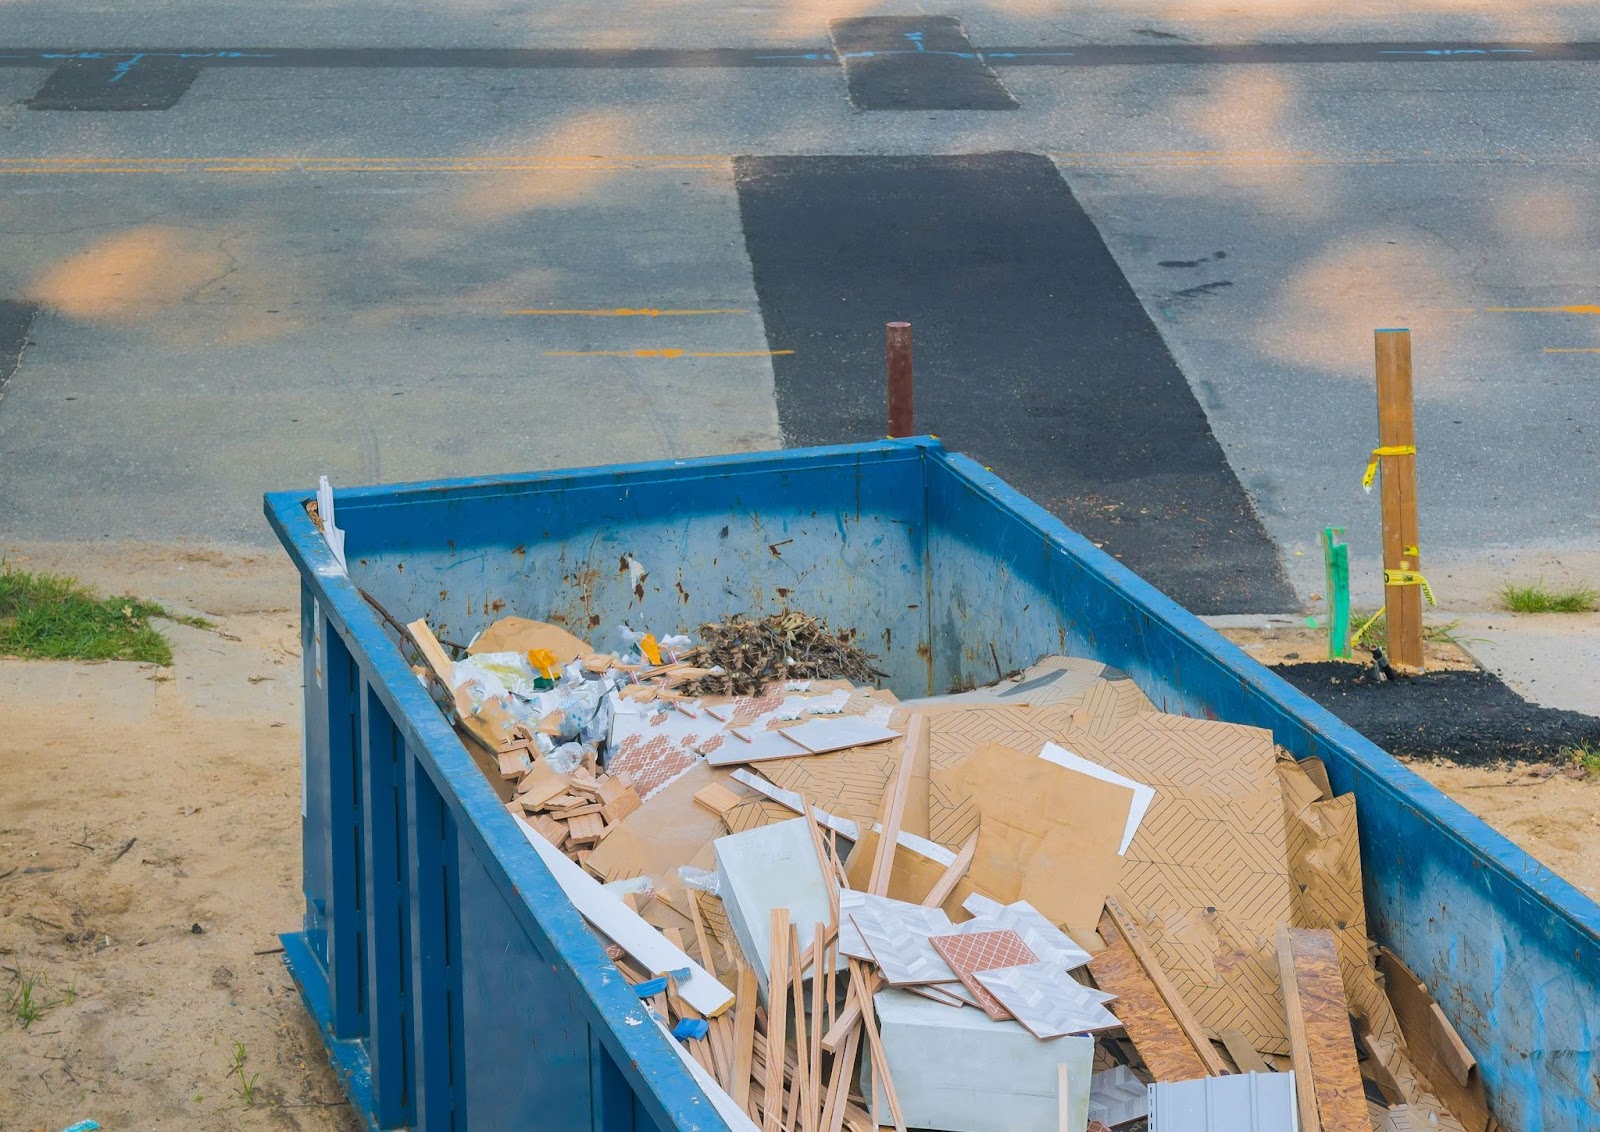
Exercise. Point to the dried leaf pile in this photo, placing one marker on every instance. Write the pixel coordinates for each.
(779, 647)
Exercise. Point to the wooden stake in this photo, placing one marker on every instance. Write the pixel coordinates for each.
(777, 1022)
(801, 1111)
(1397, 430)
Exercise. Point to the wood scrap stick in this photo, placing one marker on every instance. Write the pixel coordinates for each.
(777, 1020)
(746, 1002)
(823, 863)
(707, 959)
(720, 1037)
(1305, 1084)
(814, 1068)
(801, 1112)
(895, 807)
(844, 1068)
(945, 885)
(432, 652)
(869, 1024)
(1187, 1022)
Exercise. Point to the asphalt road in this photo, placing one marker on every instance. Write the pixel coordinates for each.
(430, 263)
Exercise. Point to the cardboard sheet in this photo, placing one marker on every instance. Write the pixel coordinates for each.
(1049, 834)
(1142, 795)
(667, 831)
(520, 635)
(848, 784)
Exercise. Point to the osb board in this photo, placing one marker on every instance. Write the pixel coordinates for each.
(1330, 1049)
(1325, 864)
(1151, 1027)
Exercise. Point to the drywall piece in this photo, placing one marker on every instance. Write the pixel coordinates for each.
(1043, 938)
(961, 1071)
(751, 746)
(982, 951)
(1117, 1096)
(1047, 1000)
(774, 866)
(624, 927)
(1319, 1030)
(897, 935)
(796, 802)
(1241, 1102)
(1142, 795)
(820, 736)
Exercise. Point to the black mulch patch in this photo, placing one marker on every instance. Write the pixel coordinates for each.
(1470, 718)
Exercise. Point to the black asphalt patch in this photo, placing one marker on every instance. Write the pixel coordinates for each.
(915, 63)
(1471, 718)
(16, 319)
(1032, 353)
(130, 82)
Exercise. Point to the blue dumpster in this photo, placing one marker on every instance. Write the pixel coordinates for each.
(457, 989)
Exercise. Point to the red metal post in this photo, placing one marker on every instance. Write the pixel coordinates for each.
(897, 356)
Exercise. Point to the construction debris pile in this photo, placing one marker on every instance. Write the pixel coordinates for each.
(1040, 905)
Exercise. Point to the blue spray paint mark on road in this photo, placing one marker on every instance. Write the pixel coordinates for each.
(1443, 51)
(131, 59)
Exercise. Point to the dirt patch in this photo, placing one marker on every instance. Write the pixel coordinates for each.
(1464, 717)
(149, 855)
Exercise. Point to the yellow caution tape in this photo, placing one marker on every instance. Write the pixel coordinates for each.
(1377, 453)
(1367, 624)
(1409, 578)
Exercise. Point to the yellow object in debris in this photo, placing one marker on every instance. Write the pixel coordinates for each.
(651, 650)
(544, 662)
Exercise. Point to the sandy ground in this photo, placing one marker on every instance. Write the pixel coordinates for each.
(164, 945)
(199, 766)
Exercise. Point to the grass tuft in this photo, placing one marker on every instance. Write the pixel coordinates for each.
(24, 1000)
(52, 617)
(1536, 597)
(1585, 756)
(1376, 633)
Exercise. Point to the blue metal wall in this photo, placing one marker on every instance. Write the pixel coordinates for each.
(456, 987)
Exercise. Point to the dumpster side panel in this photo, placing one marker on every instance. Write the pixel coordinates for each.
(314, 816)
(839, 535)
(475, 996)
(1511, 951)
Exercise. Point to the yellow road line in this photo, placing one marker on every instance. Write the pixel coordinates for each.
(54, 166)
(629, 312)
(1544, 310)
(1572, 349)
(668, 352)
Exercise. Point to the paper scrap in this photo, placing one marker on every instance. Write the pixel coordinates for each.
(1142, 795)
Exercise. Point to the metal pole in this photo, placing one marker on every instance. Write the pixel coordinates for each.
(1397, 434)
(897, 357)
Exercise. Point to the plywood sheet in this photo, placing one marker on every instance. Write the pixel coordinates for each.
(1144, 1014)
(1330, 1049)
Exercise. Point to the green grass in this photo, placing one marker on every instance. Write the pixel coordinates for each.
(1536, 597)
(247, 1085)
(52, 617)
(24, 1001)
(1376, 632)
(1585, 756)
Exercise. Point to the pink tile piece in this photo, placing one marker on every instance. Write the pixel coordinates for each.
(971, 952)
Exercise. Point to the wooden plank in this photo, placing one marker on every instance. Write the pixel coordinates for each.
(432, 651)
(1305, 1085)
(777, 1022)
(945, 885)
(895, 805)
(869, 1025)
(1330, 1050)
(844, 1069)
(814, 1046)
(702, 938)
(717, 798)
(623, 926)
(1397, 430)
(744, 1033)
(803, 1111)
(1063, 1100)
(1243, 1053)
(1124, 926)
(1414, 1009)
(1166, 1050)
